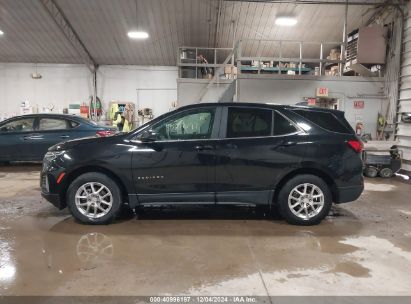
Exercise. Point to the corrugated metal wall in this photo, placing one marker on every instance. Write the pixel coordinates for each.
(393, 66)
(404, 102)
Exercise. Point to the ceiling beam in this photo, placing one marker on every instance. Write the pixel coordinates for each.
(217, 26)
(336, 2)
(67, 30)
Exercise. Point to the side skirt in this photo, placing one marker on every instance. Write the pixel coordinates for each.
(245, 197)
(203, 198)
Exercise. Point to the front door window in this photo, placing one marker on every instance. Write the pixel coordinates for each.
(189, 125)
(18, 125)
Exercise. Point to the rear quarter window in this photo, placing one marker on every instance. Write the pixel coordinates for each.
(283, 126)
(73, 123)
(325, 120)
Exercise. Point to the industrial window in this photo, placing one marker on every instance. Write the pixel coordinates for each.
(196, 124)
(248, 122)
(52, 124)
(325, 120)
(282, 125)
(18, 125)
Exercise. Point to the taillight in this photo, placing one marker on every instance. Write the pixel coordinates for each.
(356, 145)
(104, 133)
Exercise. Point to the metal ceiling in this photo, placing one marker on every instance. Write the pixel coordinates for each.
(102, 26)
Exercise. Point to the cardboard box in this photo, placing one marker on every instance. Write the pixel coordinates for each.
(335, 56)
(74, 111)
(26, 110)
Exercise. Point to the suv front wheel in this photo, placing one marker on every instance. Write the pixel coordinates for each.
(305, 200)
(94, 198)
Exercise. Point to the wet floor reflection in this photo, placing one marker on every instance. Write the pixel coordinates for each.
(200, 246)
(198, 250)
(94, 248)
(7, 263)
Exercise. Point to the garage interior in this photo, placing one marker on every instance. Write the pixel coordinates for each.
(87, 58)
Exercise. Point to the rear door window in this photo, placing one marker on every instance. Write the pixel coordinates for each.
(249, 122)
(282, 125)
(325, 120)
(47, 124)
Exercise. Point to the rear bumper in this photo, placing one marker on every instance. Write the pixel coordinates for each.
(348, 194)
(54, 199)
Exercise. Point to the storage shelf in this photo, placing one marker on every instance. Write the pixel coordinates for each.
(330, 64)
(275, 69)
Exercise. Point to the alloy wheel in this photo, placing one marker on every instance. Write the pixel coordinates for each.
(306, 201)
(93, 200)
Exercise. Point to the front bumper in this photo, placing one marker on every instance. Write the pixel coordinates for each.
(54, 199)
(348, 194)
(50, 189)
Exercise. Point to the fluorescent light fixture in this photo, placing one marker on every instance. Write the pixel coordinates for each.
(36, 75)
(1, 33)
(137, 35)
(285, 21)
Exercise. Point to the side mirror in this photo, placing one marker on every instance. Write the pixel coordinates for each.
(148, 136)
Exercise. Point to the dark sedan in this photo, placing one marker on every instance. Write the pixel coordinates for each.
(28, 137)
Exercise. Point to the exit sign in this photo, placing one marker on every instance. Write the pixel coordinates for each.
(358, 104)
(322, 92)
(311, 101)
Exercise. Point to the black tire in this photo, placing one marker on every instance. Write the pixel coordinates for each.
(286, 190)
(94, 177)
(385, 173)
(371, 172)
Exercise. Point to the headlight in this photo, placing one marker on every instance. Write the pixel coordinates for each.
(50, 156)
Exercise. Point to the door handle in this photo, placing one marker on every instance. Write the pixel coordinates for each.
(33, 136)
(64, 136)
(203, 147)
(288, 143)
(231, 146)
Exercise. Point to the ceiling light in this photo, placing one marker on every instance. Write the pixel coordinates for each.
(138, 35)
(1, 33)
(36, 75)
(286, 21)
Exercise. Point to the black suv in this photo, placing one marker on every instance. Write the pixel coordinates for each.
(299, 159)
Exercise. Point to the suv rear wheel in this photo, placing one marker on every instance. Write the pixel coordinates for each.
(305, 200)
(94, 198)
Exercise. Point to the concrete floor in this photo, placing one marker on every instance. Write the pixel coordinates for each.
(363, 248)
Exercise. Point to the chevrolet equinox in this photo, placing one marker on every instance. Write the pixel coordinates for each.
(297, 159)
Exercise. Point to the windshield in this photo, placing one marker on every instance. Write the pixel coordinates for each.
(158, 118)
